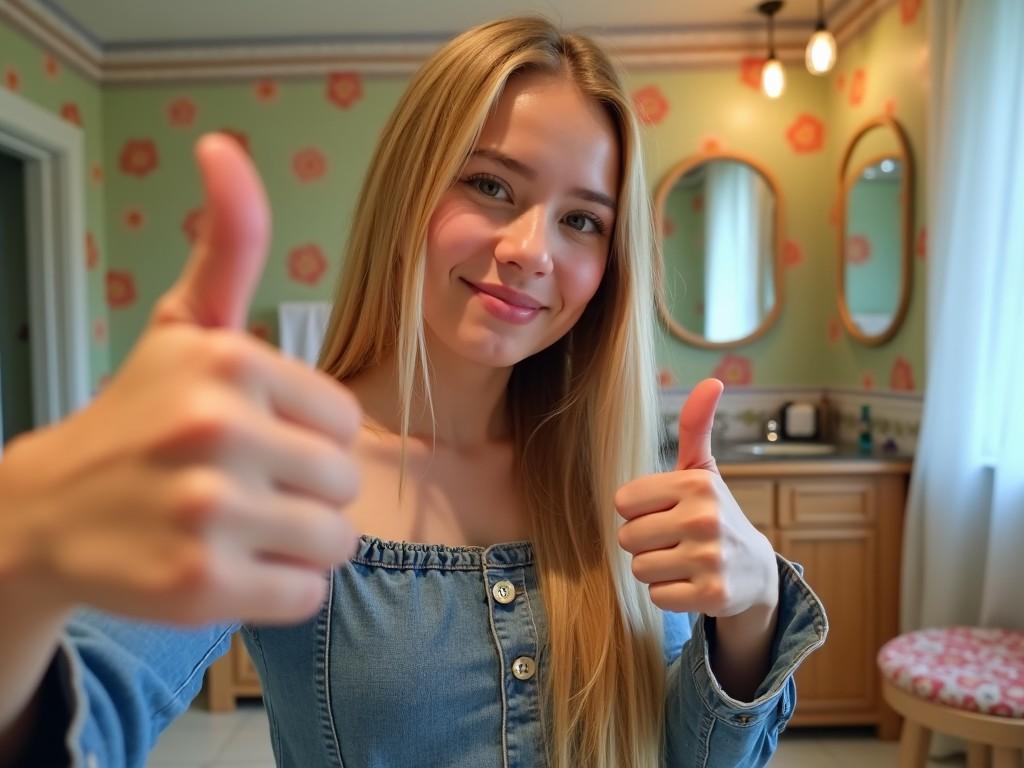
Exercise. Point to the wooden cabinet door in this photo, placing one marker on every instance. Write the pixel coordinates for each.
(840, 565)
(245, 672)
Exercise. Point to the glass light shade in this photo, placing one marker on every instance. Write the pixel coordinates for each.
(821, 52)
(773, 79)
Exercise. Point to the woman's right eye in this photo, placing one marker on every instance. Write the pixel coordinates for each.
(488, 186)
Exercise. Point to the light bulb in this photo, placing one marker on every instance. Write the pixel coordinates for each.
(773, 78)
(821, 52)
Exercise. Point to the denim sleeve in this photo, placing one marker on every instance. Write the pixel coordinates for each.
(704, 726)
(115, 684)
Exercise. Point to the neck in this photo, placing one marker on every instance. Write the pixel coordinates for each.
(469, 400)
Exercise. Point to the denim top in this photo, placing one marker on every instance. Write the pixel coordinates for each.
(422, 655)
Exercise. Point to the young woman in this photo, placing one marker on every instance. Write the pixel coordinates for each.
(495, 324)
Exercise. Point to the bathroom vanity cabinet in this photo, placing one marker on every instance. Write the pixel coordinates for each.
(842, 519)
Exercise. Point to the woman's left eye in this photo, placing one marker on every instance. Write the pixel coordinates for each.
(579, 222)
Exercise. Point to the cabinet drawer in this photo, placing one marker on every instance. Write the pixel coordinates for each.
(849, 501)
(757, 500)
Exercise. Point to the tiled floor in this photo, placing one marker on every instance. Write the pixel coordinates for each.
(233, 740)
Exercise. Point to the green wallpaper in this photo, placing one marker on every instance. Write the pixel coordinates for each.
(30, 71)
(884, 71)
(312, 137)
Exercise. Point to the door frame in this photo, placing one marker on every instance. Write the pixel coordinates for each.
(53, 153)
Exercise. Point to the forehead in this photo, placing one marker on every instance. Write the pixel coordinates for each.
(544, 121)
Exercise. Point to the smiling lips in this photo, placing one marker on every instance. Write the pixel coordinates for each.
(505, 304)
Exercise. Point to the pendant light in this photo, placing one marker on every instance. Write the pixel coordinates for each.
(821, 48)
(773, 77)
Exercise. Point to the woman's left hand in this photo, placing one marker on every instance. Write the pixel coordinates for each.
(689, 539)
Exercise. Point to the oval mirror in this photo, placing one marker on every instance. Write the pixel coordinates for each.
(719, 218)
(875, 231)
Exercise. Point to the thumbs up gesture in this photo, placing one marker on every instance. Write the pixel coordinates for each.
(689, 539)
(205, 482)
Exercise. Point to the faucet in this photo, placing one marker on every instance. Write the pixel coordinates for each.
(771, 430)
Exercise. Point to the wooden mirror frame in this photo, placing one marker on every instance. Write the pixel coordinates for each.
(661, 196)
(906, 225)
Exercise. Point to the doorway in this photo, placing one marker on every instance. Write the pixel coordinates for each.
(16, 412)
(44, 363)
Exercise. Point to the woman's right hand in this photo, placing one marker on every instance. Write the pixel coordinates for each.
(205, 482)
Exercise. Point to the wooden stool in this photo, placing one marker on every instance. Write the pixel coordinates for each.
(960, 681)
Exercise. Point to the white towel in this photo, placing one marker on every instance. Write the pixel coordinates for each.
(301, 326)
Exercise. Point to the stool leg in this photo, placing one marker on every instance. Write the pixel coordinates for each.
(977, 755)
(1005, 757)
(914, 745)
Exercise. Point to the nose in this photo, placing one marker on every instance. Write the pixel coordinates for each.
(525, 243)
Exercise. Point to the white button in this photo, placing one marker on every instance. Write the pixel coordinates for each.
(524, 667)
(91, 761)
(504, 592)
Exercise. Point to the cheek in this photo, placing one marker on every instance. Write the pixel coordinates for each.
(580, 282)
(450, 237)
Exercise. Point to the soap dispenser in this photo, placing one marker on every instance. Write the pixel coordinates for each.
(865, 441)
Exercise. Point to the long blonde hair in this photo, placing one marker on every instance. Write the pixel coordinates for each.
(583, 411)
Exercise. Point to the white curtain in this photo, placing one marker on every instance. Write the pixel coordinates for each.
(964, 546)
(301, 328)
(736, 227)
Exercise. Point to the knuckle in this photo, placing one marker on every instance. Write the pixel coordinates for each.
(699, 484)
(714, 593)
(200, 497)
(706, 522)
(228, 355)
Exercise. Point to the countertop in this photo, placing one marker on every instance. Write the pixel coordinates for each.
(847, 459)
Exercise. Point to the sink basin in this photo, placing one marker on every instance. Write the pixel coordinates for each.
(784, 449)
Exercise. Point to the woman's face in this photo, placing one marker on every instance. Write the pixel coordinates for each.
(519, 244)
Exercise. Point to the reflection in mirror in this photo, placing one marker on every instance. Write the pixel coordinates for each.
(872, 264)
(719, 224)
(876, 209)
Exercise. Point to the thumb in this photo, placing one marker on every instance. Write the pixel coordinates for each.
(695, 422)
(217, 283)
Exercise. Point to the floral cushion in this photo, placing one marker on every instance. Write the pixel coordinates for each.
(981, 670)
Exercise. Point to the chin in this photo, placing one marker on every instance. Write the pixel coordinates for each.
(489, 348)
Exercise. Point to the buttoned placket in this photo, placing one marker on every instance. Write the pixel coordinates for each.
(514, 630)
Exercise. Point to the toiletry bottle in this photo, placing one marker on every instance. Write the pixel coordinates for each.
(864, 441)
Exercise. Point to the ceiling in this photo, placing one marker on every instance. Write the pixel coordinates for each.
(113, 25)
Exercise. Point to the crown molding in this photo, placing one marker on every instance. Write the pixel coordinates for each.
(194, 61)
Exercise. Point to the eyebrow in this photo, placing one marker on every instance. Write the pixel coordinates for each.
(524, 170)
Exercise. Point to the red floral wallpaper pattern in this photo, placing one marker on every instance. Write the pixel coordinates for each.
(735, 370)
(650, 104)
(750, 71)
(909, 10)
(181, 112)
(858, 88)
(309, 164)
(12, 79)
(92, 253)
(120, 288)
(792, 253)
(307, 264)
(133, 219)
(901, 377)
(344, 89)
(70, 112)
(806, 134)
(139, 157)
(265, 90)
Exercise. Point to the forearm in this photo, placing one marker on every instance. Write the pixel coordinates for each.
(741, 647)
